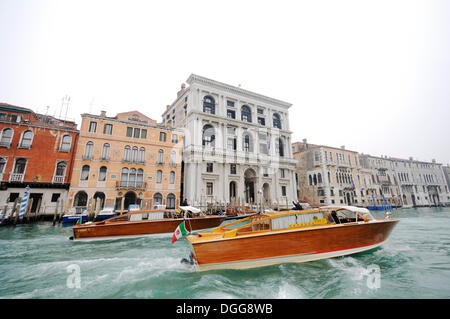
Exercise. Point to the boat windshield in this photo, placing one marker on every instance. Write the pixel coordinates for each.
(346, 214)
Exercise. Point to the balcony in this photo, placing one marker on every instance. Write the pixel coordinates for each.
(87, 157)
(58, 179)
(127, 185)
(16, 177)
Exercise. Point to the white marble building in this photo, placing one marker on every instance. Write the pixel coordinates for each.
(237, 144)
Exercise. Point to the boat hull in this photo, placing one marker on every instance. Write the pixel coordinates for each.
(143, 227)
(300, 245)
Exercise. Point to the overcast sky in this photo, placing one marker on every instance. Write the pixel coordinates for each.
(371, 75)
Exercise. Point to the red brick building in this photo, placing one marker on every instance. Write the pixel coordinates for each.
(35, 150)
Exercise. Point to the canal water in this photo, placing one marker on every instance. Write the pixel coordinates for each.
(38, 261)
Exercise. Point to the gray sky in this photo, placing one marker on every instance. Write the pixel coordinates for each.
(370, 75)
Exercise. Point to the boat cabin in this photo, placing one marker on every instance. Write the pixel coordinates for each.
(273, 221)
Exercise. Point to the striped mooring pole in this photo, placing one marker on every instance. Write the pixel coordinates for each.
(23, 204)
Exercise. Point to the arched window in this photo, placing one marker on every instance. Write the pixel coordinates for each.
(66, 143)
(209, 105)
(140, 177)
(246, 114)
(276, 120)
(80, 199)
(170, 201)
(19, 168)
(132, 177)
(310, 180)
(173, 158)
(315, 179)
(27, 139)
(172, 177)
(102, 174)
(124, 177)
(88, 150)
(329, 177)
(319, 178)
(134, 154)
(160, 156)
(157, 199)
(105, 151)
(127, 153)
(247, 143)
(141, 157)
(6, 137)
(158, 176)
(2, 165)
(85, 173)
(208, 137)
(61, 169)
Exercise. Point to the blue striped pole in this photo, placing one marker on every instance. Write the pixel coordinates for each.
(23, 204)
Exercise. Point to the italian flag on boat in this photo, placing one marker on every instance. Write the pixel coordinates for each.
(179, 232)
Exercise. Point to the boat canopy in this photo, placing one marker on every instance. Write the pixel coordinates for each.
(363, 212)
(191, 209)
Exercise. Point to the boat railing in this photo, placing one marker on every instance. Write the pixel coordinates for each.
(155, 214)
(275, 221)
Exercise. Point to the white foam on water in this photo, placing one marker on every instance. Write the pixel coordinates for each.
(289, 291)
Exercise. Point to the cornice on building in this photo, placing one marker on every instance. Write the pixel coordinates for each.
(117, 120)
(193, 78)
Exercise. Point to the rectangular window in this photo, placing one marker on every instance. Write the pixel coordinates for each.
(143, 133)
(107, 129)
(230, 103)
(265, 172)
(129, 132)
(13, 197)
(263, 148)
(55, 197)
(162, 137)
(261, 121)
(92, 127)
(209, 188)
(231, 114)
(260, 111)
(209, 167)
(283, 190)
(174, 138)
(231, 130)
(137, 133)
(3, 116)
(231, 144)
(232, 168)
(282, 173)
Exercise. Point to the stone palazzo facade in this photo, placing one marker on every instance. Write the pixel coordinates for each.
(237, 145)
(329, 175)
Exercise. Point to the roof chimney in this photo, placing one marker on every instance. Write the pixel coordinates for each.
(304, 141)
(343, 147)
(103, 113)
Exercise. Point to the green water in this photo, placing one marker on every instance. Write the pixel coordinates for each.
(37, 260)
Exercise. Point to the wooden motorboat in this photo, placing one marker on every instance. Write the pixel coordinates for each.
(293, 236)
(145, 222)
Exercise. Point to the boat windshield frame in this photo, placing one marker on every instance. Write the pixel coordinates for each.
(348, 212)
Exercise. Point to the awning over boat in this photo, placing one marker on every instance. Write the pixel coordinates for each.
(360, 210)
(191, 209)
